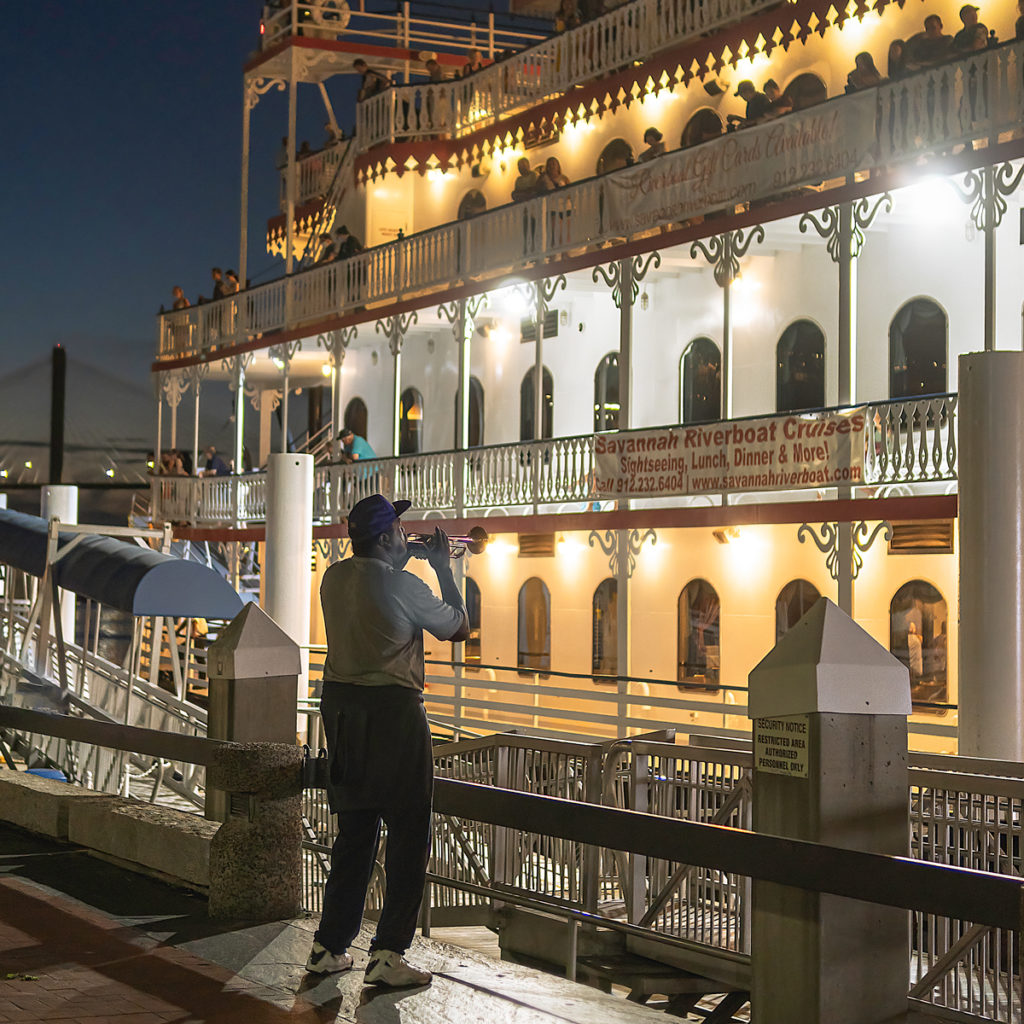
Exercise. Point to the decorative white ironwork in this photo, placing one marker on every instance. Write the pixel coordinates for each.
(174, 386)
(395, 328)
(336, 344)
(724, 252)
(985, 189)
(257, 87)
(612, 274)
(827, 222)
(622, 547)
(826, 540)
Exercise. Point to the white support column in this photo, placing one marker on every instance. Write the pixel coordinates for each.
(991, 540)
(196, 383)
(61, 500)
(289, 210)
(396, 389)
(249, 97)
(287, 558)
(240, 365)
(285, 388)
(538, 364)
(159, 427)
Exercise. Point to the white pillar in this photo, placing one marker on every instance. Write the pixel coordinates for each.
(61, 500)
(291, 176)
(3, 501)
(991, 470)
(287, 567)
(249, 97)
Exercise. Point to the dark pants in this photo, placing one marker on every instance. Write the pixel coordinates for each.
(381, 770)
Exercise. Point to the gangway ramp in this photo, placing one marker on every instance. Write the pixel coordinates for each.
(80, 932)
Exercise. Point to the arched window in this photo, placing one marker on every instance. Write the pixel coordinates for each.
(471, 651)
(410, 422)
(606, 393)
(800, 368)
(473, 203)
(918, 622)
(605, 622)
(917, 350)
(699, 640)
(526, 403)
(793, 602)
(618, 153)
(805, 90)
(700, 382)
(534, 626)
(705, 124)
(476, 414)
(355, 417)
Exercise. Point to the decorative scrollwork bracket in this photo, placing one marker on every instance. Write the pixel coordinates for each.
(257, 87)
(335, 343)
(725, 251)
(452, 312)
(828, 224)
(612, 275)
(622, 547)
(395, 328)
(827, 541)
(986, 190)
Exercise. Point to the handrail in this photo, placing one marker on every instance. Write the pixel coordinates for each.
(976, 97)
(631, 32)
(193, 749)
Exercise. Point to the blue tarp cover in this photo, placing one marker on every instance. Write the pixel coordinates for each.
(119, 574)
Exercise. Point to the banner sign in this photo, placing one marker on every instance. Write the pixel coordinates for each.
(801, 148)
(778, 453)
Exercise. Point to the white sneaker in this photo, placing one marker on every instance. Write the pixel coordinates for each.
(322, 961)
(389, 968)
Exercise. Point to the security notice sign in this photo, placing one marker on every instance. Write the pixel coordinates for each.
(774, 454)
(780, 746)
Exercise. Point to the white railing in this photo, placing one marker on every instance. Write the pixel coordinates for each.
(907, 442)
(325, 19)
(631, 32)
(978, 97)
(314, 172)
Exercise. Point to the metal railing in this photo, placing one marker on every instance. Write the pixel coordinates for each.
(314, 172)
(327, 19)
(960, 815)
(975, 98)
(631, 32)
(907, 442)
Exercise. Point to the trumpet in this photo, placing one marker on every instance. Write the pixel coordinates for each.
(475, 543)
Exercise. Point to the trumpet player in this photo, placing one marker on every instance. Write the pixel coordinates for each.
(377, 735)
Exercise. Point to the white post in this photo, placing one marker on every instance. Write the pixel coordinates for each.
(991, 470)
(195, 427)
(248, 99)
(159, 427)
(289, 208)
(287, 558)
(396, 396)
(61, 500)
(239, 414)
(3, 501)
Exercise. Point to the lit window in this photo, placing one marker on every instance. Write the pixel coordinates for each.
(699, 650)
(918, 622)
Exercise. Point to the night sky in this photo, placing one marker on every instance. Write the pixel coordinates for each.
(121, 169)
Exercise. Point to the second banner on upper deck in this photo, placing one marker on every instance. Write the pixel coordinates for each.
(826, 141)
(780, 453)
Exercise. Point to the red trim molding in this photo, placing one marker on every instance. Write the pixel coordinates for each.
(846, 510)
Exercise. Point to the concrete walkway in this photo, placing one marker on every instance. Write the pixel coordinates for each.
(85, 941)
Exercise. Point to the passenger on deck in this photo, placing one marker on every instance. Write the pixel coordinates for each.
(374, 81)
(218, 283)
(474, 64)
(328, 251)
(180, 301)
(928, 48)
(347, 244)
(898, 59)
(215, 465)
(568, 16)
(779, 102)
(528, 184)
(354, 448)
(552, 177)
(655, 143)
(435, 73)
(1019, 27)
(230, 285)
(864, 73)
(282, 154)
(974, 35)
(758, 105)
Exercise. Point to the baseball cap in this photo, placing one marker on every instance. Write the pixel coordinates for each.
(968, 7)
(373, 516)
(739, 88)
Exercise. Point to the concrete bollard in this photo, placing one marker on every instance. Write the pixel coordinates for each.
(256, 855)
(252, 669)
(829, 708)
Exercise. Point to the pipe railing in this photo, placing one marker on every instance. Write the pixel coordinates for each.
(631, 32)
(976, 98)
(906, 441)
